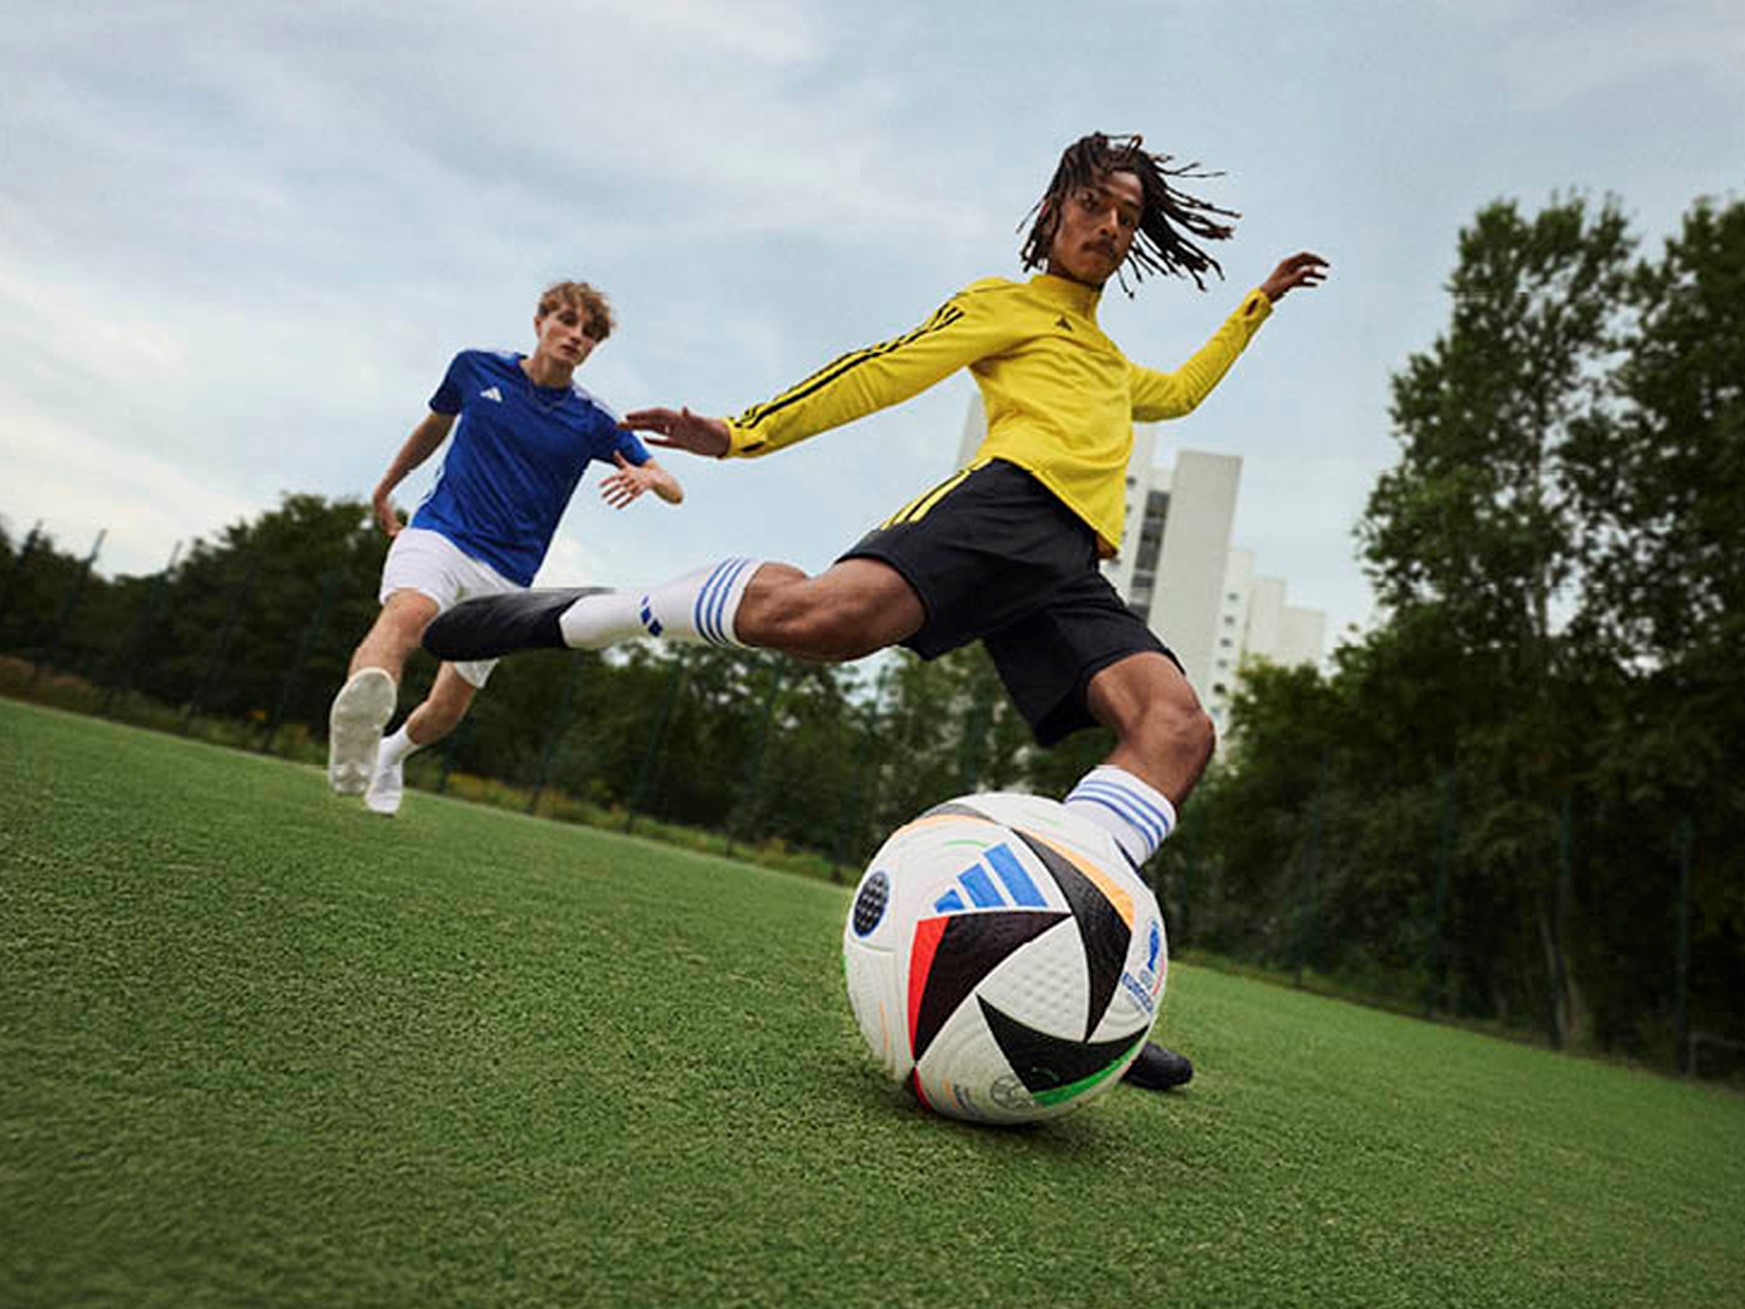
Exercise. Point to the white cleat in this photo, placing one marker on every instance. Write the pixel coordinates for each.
(354, 729)
(386, 789)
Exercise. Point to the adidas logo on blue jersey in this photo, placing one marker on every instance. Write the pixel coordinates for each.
(492, 393)
(1019, 889)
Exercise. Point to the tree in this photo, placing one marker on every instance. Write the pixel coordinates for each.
(1661, 483)
(1474, 538)
(240, 611)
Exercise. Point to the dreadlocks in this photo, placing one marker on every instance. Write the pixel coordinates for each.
(1170, 217)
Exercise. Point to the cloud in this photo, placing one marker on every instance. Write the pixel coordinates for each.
(1552, 55)
(141, 502)
(236, 265)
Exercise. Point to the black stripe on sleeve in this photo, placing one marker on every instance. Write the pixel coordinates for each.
(841, 366)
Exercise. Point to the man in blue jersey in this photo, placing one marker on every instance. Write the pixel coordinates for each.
(524, 432)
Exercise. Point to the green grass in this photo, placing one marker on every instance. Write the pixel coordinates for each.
(258, 1046)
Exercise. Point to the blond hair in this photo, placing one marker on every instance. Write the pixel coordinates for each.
(591, 304)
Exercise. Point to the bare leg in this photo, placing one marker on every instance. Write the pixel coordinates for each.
(848, 611)
(451, 695)
(395, 634)
(1164, 742)
(1164, 737)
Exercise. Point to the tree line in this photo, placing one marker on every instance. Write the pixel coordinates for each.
(1524, 791)
(1517, 799)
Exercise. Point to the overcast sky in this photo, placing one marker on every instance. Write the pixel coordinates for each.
(239, 242)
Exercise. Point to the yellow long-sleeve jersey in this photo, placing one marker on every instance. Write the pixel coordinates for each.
(1061, 398)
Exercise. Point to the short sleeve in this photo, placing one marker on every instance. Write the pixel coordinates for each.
(447, 399)
(631, 447)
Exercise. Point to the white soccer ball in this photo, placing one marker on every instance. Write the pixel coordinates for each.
(1004, 958)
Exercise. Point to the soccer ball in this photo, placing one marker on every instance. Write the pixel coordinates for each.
(1004, 958)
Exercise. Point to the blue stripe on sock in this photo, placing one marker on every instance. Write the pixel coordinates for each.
(1120, 802)
(1158, 819)
(700, 610)
(1011, 872)
(1116, 802)
(1156, 813)
(724, 620)
(712, 600)
(1076, 798)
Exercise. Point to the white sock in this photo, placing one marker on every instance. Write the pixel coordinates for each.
(1138, 817)
(697, 608)
(395, 748)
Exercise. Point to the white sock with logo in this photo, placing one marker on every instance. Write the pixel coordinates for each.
(1130, 810)
(697, 609)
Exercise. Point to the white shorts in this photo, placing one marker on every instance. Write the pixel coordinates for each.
(431, 564)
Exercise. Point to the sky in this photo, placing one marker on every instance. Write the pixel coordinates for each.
(239, 243)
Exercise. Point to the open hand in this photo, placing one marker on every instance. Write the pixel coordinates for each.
(680, 429)
(620, 488)
(1302, 269)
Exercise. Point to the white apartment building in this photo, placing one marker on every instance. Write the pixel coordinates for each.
(1177, 569)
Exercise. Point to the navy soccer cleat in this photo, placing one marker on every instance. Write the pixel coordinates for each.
(1158, 1069)
(495, 625)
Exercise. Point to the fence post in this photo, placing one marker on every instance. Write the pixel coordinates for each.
(1681, 961)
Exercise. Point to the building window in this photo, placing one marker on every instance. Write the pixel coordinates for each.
(1151, 531)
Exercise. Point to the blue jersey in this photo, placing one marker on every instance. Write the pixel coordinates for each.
(517, 454)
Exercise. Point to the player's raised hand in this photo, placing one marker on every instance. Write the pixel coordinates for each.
(1301, 269)
(680, 429)
(620, 488)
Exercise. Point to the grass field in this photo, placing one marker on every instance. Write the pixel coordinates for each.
(259, 1047)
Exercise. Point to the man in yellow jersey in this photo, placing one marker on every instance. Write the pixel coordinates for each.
(1006, 550)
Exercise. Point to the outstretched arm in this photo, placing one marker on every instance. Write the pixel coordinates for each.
(631, 480)
(419, 446)
(966, 328)
(1157, 395)
(1301, 269)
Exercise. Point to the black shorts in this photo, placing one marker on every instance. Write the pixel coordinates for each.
(996, 557)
